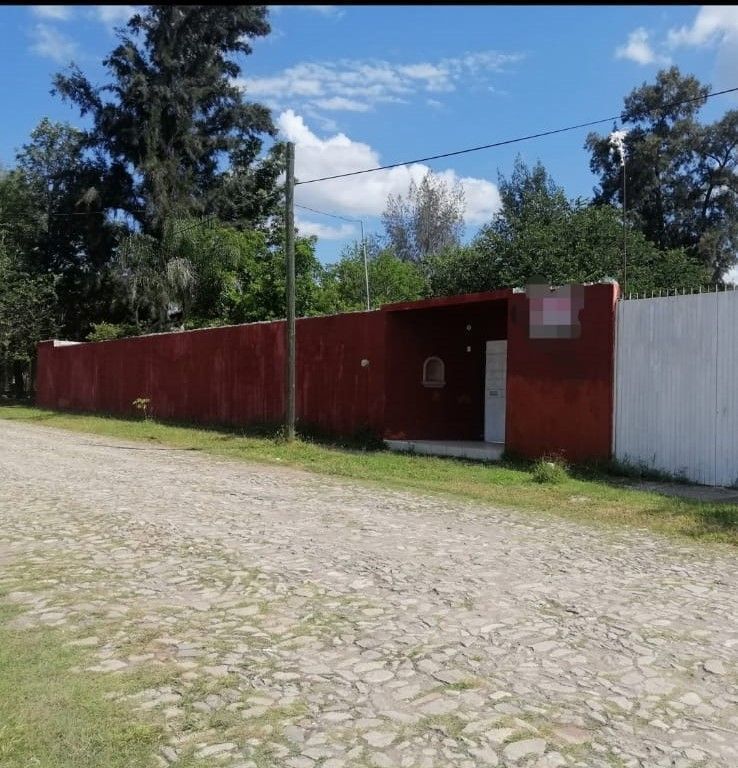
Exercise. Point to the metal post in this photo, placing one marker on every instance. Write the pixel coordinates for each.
(366, 267)
(625, 246)
(289, 197)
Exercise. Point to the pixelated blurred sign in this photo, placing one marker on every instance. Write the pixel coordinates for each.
(554, 312)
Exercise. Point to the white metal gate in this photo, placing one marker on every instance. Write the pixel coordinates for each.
(495, 392)
(676, 385)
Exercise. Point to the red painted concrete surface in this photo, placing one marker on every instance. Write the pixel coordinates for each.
(232, 375)
(559, 391)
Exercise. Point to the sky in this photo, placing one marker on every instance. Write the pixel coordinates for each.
(360, 86)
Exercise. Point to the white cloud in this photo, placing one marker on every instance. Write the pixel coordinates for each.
(732, 276)
(55, 12)
(346, 84)
(481, 196)
(715, 26)
(329, 11)
(114, 15)
(366, 195)
(433, 76)
(638, 49)
(332, 11)
(341, 103)
(713, 23)
(324, 232)
(52, 44)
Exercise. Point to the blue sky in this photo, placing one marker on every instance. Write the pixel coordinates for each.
(355, 86)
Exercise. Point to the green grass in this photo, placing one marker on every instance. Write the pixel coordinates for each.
(588, 495)
(448, 725)
(53, 717)
(463, 685)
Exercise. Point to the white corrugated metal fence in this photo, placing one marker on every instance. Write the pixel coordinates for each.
(676, 385)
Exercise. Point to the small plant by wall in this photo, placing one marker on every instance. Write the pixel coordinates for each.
(143, 406)
(550, 470)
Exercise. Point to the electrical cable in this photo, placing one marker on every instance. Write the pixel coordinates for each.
(552, 132)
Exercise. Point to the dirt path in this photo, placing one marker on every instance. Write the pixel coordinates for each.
(313, 622)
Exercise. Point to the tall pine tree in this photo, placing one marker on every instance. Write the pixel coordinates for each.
(178, 135)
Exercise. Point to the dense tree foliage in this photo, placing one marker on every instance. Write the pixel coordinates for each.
(173, 125)
(390, 279)
(26, 316)
(202, 273)
(681, 175)
(539, 231)
(74, 239)
(21, 219)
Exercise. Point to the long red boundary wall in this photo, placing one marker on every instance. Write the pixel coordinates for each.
(363, 370)
(231, 375)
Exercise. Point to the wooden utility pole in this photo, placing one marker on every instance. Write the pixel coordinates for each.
(289, 219)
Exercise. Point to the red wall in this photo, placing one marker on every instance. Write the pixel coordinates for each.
(334, 391)
(455, 411)
(232, 375)
(560, 391)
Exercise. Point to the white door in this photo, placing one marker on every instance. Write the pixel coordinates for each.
(495, 392)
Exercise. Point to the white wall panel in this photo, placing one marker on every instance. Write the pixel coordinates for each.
(676, 401)
(726, 454)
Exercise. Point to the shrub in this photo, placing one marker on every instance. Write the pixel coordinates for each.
(105, 332)
(549, 469)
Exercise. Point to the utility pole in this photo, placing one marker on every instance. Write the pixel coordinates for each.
(366, 266)
(289, 198)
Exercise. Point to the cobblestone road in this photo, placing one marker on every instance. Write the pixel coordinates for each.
(313, 622)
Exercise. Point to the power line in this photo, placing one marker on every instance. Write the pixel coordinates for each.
(201, 223)
(363, 242)
(588, 124)
(325, 213)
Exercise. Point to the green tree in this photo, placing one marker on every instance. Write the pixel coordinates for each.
(26, 317)
(240, 274)
(21, 219)
(538, 231)
(461, 269)
(159, 280)
(426, 220)
(73, 238)
(390, 279)
(178, 136)
(203, 273)
(681, 175)
(261, 294)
